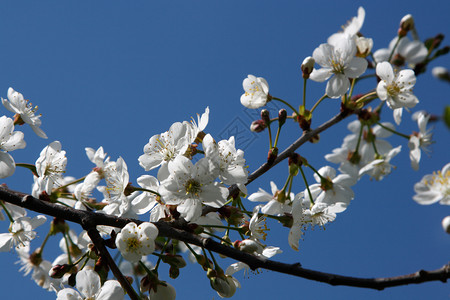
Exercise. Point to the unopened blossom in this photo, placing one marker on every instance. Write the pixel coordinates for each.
(256, 92)
(307, 66)
(165, 291)
(446, 224)
(441, 73)
(9, 140)
(434, 188)
(189, 186)
(21, 232)
(364, 46)
(338, 61)
(396, 88)
(24, 110)
(350, 29)
(225, 285)
(381, 166)
(50, 165)
(89, 287)
(135, 241)
(420, 140)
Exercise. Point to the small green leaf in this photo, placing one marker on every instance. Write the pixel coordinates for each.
(447, 116)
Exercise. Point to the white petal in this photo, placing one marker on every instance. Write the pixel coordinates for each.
(337, 86)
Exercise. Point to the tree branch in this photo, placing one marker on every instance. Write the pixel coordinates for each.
(89, 219)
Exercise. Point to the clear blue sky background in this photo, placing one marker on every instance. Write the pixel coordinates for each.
(114, 73)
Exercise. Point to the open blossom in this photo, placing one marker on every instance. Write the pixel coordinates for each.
(419, 140)
(135, 241)
(189, 186)
(410, 52)
(89, 286)
(273, 205)
(396, 88)
(230, 162)
(50, 165)
(256, 92)
(21, 107)
(338, 61)
(148, 201)
(9, 140)
(381, 166)
(21, 232)
(333, 190)
(350, 29)
(434, 187)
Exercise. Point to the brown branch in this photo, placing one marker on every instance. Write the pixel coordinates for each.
(89, 219)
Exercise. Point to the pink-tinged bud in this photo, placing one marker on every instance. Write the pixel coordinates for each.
(406, 24)
(265, 116)
(258, 126)
(446, 224)
(58, 271)
(282, 115)
(248, 246)
(307, 66)
(272, 155)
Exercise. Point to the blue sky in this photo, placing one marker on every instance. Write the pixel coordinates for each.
(114, 73)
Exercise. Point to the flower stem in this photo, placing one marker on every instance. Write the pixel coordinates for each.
(290, 106)
(307, 186)
(366, 97)
(304, 91)
(393, 131)
(393, 49)
(7, 212)
(318, 102)
(160, 256)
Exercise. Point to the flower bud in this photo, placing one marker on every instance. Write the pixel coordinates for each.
(58, 271)
(307, 66)
(441, 73)
(282, 115)
(364, 46)
(174, 260)
(446, 224)
(265, 116)
(406, 24)
(224, 285)
(258, 126)
(174, 272)
(272, 155)
(248, 246)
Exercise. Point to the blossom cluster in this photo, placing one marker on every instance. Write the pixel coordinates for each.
(199, 184)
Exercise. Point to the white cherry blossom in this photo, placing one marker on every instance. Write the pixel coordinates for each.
(350, 29)
(396, 88)
(21, 232)
(256, 92)
(9, 140)
(50, 166)
(135, 241)
(18, 105)
(189, 186)
(420, 140)
(381, 166)
(339, 60)
(89, 286)
(412, 52)
(434, 188)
